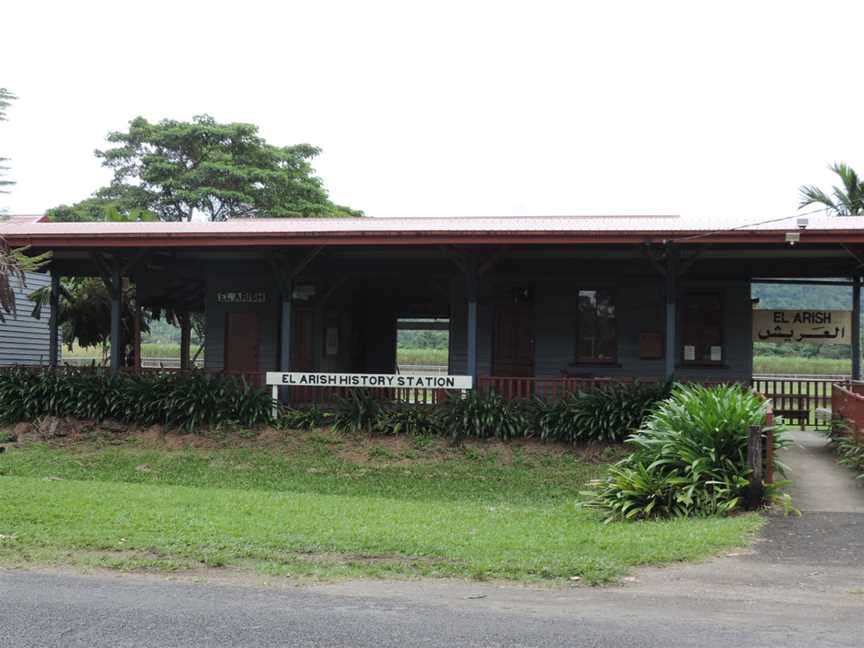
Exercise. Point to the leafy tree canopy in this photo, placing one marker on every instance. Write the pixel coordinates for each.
(175, 169)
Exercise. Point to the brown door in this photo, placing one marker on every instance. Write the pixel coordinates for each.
(302, 353)
(513, 354)
(241, 342)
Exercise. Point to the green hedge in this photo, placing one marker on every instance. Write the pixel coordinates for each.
(184, 400)
(608, 414)
(848, 444)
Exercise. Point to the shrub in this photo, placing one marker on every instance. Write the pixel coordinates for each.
(307, 418)
(358, 412)
(185, 400)
(484, 416)
(848, 445)
(608, 414)
(689, 457)
(406, 418)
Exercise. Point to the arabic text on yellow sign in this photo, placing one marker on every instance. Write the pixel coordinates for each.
(813, 326)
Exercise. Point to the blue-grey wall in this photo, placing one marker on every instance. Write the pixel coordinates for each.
(639, 309)
(24, 340)
(639, 305)
(235, 277)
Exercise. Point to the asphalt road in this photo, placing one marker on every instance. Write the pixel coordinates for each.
(55, 609)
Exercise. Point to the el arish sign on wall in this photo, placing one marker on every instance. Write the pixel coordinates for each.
(813, 326)
(241, 297)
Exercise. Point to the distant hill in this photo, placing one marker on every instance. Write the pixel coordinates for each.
(816, 297)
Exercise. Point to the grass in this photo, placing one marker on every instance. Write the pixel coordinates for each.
(148, 350)
(795, 365)
(421, 356)
(316, 506)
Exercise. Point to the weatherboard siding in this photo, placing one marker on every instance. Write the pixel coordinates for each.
(236, 278)
(23, 339)
(361, 307)
(639, 308)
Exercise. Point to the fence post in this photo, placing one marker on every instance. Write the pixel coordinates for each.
(754, 462)
(769, 447)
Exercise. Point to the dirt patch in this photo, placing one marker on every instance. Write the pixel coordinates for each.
(356, 449)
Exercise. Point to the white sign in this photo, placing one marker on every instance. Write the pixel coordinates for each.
(814, 326)
(382, 381)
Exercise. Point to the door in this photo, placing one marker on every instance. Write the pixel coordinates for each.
(302, 352)
(513, 353)
(241, 342)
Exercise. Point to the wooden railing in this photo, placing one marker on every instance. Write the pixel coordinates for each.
(847, 403)
(511, 387)
(307, 395)
(796, 400)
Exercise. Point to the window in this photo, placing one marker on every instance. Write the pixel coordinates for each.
(596, 327)
(702, 329)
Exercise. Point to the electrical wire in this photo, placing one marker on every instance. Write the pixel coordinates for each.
(740, 227)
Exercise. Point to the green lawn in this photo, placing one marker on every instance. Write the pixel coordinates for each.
(795, 365)
(314, 505)
(148, 350)
(421, 356)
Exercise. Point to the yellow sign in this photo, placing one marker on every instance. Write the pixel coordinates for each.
(813, 326)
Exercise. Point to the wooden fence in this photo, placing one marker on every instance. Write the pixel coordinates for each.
(798, 401)
(847, 403)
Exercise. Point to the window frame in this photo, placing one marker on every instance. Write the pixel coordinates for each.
(719, 293)
(577, 360)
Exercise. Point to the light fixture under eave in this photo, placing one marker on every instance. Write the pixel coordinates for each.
(793, 237)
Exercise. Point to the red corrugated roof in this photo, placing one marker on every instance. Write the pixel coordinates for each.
(323, 231)
(21, 219)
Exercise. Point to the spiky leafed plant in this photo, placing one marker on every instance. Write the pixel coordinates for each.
(14, 266)
(845, 200)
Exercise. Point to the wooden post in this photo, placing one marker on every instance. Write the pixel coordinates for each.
(53, 342)
(185, 339)
(116, 341)
(769, 447)
(136, 337)
(471, 290)
(856, 327)
(671, 344)
(754, 461)
(285, 332)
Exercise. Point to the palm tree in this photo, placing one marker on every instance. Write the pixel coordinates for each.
(847, 200)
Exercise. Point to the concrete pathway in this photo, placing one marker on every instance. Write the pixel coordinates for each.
(818, 482)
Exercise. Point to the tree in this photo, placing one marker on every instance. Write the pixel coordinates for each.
(847, 200)
(176, 169)
(14, 263)
(99, 209)
(6, 99)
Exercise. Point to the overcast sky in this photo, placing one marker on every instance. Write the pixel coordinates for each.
(464, 108)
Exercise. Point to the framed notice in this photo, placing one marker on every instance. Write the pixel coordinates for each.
(650, 346)
(689, 352)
